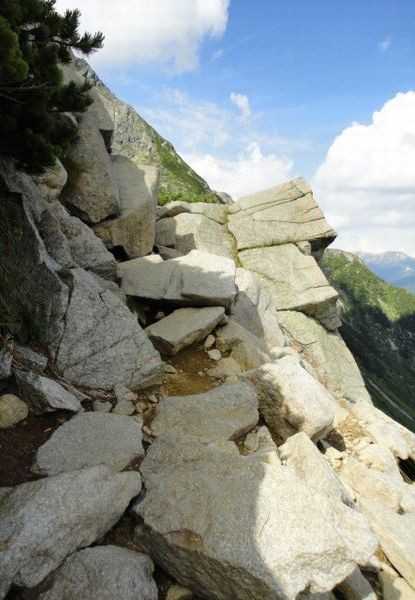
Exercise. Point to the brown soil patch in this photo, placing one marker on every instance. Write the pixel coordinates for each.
(189, 363)
(18, 446)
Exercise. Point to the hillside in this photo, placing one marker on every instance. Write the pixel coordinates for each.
(397, 268)
(379, 328)
(134, 138)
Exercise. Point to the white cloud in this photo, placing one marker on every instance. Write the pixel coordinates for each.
(142, 31)
(367, 180)
(241, 101)
(250, 172)
(384, 44)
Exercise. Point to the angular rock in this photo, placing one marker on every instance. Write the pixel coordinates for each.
(134, 229)
(44, 521)
(136, 262)
(291, 400)
(45, 395)
(356, 587)
(12, 410)
(294, 281)
(198, 279)
(197, 498)
(380, 459)
(102, 344)
(104, 572)
(246, 349)
(262, 447)
(328, 354)
(215, 212)
(87, 250)
(280, 215)
(184, 327)
(177, 592)
(255, 310)
(104, 113)
(91, 192)
(186, 232)
(52, 181)
(395, 588)
(90, 439)
(397, 536)
(29, 358)
(223, 413)
(299, 453)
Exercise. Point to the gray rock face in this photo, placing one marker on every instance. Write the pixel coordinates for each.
(397, 536)
(187, 232)
(5, 364)
(184, 327)
(283, 214)
(52, 181)
(104, 572)
(356, 587)
(255, 310)
(44, 521)
(223, 413)
(30, 359)
(92, 190)
(292, 400)
(301, 454)
(294, 281)
(87, 250)
(45, 395)
(246, 349)
(199, 279)
(90, 439)
(12, 410)
(103, 345)
(328, 354)
(134, 229)
(228, 527)
(215, 212)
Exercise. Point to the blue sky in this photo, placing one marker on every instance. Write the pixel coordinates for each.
(252, 93)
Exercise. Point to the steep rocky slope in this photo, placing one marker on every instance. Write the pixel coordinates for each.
(135, 138)
(379, 328)
(184, 398)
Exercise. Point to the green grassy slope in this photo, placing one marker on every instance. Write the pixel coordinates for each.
(379, 328)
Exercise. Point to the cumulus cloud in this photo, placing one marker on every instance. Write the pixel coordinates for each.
(366, 183)
(139, 31)
(241, 101)
(250, 172)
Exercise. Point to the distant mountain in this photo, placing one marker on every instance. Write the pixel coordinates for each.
(394, 267)
(138, 140)
(379, 328)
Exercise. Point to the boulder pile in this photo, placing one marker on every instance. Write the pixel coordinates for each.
(209, 417)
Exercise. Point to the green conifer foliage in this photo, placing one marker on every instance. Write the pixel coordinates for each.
(34, 40)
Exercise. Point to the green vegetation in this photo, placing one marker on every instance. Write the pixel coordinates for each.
(35, 39)
(379, 328)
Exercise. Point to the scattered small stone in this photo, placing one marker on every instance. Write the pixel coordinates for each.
(214, 354)
(123, 393)
(251, 442)
(147, 430)
(153, 398)
(12, 410)
(209, 342)
(177, 592)
(170, 369)
(201, 374)
(140, 407)
(101, 406)
(32, 360)
(124, 407)
(160, 315)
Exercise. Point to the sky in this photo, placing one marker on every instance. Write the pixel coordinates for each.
(252, 94)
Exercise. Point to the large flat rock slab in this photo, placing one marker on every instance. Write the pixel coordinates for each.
(223, 413)
(103, 344)
(198, 279)
(184, 327)
(294, 281)
(292, 400)
(88, 439)
(326, 351)
(229, 527)
(104, 572)
(134, 229)
(215, 212)
(282, 214)
(44, 521)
